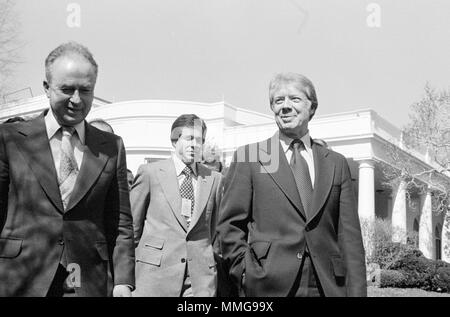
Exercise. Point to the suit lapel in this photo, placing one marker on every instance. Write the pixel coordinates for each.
(282, 176)
(94, 160)
(167, 177)
(324, 175)
(204, 184)
(35, 147)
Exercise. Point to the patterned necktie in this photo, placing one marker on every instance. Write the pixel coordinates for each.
(68, 169)
(187, 189)
(301, 175)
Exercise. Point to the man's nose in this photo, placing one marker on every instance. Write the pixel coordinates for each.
(287, 104)
(75, 97)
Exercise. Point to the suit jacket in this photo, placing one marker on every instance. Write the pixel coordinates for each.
(164, 244)
(94, 231)
(264, 232)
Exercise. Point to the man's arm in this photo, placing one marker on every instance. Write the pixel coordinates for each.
(235, 213)
(4, 180)
(215, 213)
(120, 228)
(350, 237)
(140, 200)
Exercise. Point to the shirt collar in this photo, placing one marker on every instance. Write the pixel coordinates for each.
(286, 141)
(179, 165)
(53, 126)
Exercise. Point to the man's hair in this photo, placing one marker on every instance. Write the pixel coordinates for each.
(186, 120)
(303, 83)
(68, 49)
(100, 123)
(14, 119)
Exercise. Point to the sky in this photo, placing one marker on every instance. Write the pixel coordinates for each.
(359, 54)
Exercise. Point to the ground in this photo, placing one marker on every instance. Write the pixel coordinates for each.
(402, 292)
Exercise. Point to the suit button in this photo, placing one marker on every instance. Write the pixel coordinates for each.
(61, 242)
(183, 260)
(299, 256)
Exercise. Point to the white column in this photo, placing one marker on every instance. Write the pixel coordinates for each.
(445, 238)
(366, 203)
(426, 236)
(399, 220)
(366, 190)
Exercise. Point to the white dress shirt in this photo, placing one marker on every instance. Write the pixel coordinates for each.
(54, 134)
(307, 153)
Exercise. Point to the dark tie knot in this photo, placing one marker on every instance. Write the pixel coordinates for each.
(297, 144)
(187, 171)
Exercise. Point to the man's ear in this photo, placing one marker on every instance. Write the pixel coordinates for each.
(46, 88)
(312, 112)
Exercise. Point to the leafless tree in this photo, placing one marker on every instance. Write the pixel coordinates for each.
(428, 132)
(9, 43)
(429, 128)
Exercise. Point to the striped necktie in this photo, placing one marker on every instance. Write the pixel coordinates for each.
(301, 175)
(68, 169)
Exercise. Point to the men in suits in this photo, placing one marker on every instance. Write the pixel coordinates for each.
(289, 225)
(174, 203)
(64, 199)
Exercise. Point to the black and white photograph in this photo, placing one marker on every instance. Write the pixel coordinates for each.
(238, 151)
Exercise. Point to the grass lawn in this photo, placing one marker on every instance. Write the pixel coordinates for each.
(402, 292)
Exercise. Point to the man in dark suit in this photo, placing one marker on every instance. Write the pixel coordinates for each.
(175, 206)
(289, 225)
(64, 204)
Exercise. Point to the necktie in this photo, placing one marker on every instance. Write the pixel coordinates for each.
(187, 189)
(301, 175)
(68, 169)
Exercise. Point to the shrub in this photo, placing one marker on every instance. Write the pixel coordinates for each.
(391, 278)
(403, 265)
(440, 280)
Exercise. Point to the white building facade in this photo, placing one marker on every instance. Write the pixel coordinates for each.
(361, 136)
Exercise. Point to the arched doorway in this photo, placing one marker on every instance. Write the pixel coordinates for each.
(437, 236)
(415, 233)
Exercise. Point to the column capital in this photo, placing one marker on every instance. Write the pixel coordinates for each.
(366, 163)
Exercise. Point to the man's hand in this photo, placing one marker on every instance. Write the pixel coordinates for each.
(121, 291)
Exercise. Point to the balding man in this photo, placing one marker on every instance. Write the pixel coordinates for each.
(64, 201)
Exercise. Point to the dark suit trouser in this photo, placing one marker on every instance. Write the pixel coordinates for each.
(307, 283)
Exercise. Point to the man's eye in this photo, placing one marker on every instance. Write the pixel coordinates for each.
(279, 101)
(68, 91)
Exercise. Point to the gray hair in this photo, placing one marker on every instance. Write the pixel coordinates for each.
(66, 49)
(302, 82)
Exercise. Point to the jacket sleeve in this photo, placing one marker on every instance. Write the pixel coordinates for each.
(235, 213)
(4, 180)
(119, 223)
(140, 200)
(350, 237)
